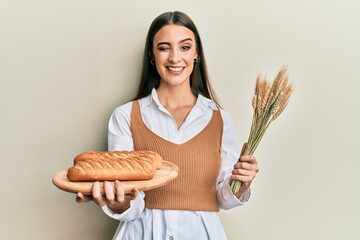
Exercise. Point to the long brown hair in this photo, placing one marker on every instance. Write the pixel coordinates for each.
(199, 78)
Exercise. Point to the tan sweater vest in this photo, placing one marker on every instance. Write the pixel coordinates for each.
(198, 159)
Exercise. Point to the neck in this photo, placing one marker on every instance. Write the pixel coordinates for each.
(174, 97)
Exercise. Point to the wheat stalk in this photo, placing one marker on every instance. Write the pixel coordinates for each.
(268, 102)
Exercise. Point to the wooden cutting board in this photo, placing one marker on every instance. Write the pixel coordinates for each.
(165, 174)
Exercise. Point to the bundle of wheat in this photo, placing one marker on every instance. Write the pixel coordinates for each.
(268, 102)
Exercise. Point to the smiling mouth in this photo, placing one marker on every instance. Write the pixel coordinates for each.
(175, 69)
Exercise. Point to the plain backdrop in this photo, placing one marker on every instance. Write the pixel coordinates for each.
(66, 65)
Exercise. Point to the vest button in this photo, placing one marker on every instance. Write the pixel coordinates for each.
(171, 238)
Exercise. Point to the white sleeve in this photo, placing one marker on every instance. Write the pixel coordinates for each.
(230, 153)
(120, 138)
(119, 133)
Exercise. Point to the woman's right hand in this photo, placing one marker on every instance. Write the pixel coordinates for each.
(116, 200)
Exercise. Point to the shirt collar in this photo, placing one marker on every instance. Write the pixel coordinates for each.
(148, 100)
(203, 103)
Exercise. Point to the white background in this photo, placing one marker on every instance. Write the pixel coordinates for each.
(65, 65)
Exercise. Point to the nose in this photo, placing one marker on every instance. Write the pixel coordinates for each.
(175, 55)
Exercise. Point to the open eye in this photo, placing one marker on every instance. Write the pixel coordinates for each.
(185, 47)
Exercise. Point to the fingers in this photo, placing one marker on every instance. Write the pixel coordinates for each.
(134, 194)
(245, 169)
(248, 158)
(109, 193)
(112, 194)
(97, 196)
(109, 197)
(121, 196)
(247, 165)
(81, 198)
(120, 191)
(244, 176)
(242, 172)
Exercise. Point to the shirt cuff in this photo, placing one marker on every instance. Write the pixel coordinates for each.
(227, 199)
(132, 213)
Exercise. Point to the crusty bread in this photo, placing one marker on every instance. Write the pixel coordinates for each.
(114, 155)
(115, 165)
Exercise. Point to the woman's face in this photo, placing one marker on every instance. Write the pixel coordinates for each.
(174, 50)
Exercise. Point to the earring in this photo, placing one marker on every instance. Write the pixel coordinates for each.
(196, 60)
(152, 62)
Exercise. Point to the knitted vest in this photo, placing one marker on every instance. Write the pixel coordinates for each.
(198, 160)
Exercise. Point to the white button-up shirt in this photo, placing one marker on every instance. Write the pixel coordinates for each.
(141, 223)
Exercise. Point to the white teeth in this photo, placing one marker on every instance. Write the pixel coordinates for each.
(176, 69)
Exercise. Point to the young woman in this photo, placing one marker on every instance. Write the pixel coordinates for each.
(176, 114)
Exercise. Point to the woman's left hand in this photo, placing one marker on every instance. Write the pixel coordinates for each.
(245, 170)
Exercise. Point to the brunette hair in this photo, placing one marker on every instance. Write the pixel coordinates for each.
(199, 79)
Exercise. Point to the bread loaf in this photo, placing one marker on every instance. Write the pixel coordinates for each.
(152, 155)
(115, 165)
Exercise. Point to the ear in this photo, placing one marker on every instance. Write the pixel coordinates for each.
(196, 57)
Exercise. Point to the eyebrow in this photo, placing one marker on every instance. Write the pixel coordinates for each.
(166, 43)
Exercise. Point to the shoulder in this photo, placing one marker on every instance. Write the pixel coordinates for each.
(227, 119)
(122, 111)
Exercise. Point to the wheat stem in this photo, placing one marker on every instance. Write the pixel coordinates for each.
(268, 102)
